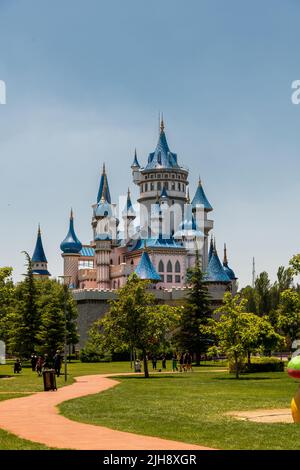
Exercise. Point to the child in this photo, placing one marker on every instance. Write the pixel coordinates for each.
(17, 366)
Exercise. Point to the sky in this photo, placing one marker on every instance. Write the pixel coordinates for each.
(85, 81)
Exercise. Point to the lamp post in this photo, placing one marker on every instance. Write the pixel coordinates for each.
(66, 284)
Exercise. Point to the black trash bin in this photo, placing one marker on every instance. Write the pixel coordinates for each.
(49, 380)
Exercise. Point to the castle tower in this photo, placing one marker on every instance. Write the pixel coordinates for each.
(71, 248)
(162, 175)
(39, 260)
(201, 208)
(128, 216)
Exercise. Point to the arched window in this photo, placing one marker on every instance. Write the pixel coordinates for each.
(177, 267)
(161, 267)
(132, 262)
(169, 267)
(166, 185)
(119, 260)
(159, 185)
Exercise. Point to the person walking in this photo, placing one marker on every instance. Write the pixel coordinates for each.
(181, 362)
(17, 366)
(185, 362)
(33, 361)
(174, 363)
(57, 363)
(39, 365)
(189, 359)
(154, 362)
(163, 362)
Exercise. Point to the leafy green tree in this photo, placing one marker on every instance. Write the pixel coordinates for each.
(295, 264)
(24, 323)
(136, 321)
(239, 332)
(191, 335)
(289, 314)
(58, 314)
(262, 288)
(7, 297)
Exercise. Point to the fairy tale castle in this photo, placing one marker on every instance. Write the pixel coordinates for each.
(157, 238)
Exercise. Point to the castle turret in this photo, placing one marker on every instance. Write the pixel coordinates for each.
(71, 248)
(201, 208)
(39, 260)
(128, 216)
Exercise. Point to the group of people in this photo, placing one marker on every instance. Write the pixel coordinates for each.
(39, 363)
(185, 362)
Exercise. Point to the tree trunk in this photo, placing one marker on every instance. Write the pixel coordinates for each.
(249, 358)
(236, 366)
(198, 357)
(146, 372)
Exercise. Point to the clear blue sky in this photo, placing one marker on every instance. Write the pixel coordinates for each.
(85, 81)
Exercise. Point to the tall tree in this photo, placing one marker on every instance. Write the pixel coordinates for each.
(289, 314)
(25, 321)
(7, 301)
(58, 314)
(192, 336)
(239, 332)
(136, 321)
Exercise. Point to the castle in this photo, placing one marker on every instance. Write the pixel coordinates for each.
(157, 238)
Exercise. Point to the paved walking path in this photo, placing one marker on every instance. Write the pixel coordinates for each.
(278, 415)
(36, 418)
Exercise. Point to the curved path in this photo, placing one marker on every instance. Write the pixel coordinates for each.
(36, 418)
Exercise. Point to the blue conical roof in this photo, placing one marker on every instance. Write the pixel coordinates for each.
(227, 269)
(71, 244)
(201, 199)
(128, 209)
(104, 193)
(188, 227)
(39, 254)
(145, 269)
(135, 163)
(215, 270)
(162, 157)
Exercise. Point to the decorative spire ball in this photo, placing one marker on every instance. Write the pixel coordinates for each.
(293, 369)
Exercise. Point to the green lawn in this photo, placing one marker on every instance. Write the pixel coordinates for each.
(190, 408)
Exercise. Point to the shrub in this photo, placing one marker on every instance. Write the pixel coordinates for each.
(89, 354)
(260, 364)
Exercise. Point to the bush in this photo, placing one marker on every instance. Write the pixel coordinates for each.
(260, 364)
(91, 355)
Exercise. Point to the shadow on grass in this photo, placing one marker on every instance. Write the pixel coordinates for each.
(247, 378)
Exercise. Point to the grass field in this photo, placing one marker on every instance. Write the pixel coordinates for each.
(190, 408)
(186, 407)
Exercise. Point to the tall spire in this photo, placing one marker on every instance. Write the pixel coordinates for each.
(39, 254)
(103, 193)
(225, 260)
(135, 163)
(162, 124)
(200, 198)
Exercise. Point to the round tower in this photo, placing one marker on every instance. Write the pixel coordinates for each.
(102, 258)
(128, 216)
(71, 248)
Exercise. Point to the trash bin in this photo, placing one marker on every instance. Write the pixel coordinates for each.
(49, 380)
(137, 366)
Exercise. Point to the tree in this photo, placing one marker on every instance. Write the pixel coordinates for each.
(54, 301)
(289, 314)
(191, 335)
(262, 288)
(136, 321)
(7, 295)
(295, 264)
(24, 323)
(239, 332)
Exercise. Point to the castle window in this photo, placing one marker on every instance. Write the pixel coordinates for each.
(162, 278)
(159, 175)
(177, 279)
(111, 261)
(173, 186)
(177, 267)
(161, 267)
(173, 176)
(146, 187)
(166, 185)
(159, 185)
(119, 260)
(169, 267)
(179, 186)
(169, 278)
(132, 262)
(151, 187)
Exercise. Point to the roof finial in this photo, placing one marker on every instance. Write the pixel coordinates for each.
(225, 260)
(39, 229)
(103, 171)
(215, 246)
(199, 181)
(71, 214)
(162, 124)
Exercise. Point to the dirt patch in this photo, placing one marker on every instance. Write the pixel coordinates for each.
(278, 415)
